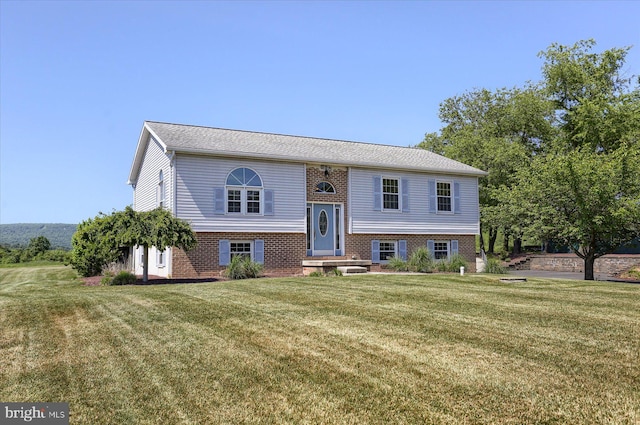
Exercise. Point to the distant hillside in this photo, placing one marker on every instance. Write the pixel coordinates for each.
(19, 235)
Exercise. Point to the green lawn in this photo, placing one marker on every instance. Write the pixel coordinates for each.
(344, 350)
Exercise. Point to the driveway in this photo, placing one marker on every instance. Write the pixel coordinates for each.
(555, 275)
(546, 274)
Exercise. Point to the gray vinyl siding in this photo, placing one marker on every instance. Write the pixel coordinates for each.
(199, 176)
(418, 220)
(154, 160)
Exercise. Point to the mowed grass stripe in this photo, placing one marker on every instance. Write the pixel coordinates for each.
(365, 349)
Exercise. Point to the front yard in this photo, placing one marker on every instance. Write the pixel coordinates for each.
(363, 349)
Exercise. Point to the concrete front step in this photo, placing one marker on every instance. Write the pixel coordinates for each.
(352, 269)
(325, 266)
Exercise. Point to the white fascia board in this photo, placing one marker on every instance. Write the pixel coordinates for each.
(140, 149)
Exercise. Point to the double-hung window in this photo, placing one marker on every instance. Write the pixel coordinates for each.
(383, 251)
(388, 249)
(234, 200)
(252, 249)
(241, 248)
(443, 192)
(253, 201)
(390, 194)
(441, 250)
(244, 192)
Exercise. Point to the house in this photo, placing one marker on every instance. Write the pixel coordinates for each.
(289, 201)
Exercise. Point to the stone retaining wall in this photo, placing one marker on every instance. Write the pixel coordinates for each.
(611, 264)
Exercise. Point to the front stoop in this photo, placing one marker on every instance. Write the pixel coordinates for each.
(351, 269)
(325, 266)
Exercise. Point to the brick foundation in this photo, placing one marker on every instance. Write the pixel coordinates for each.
(284, 252)
(360, 246)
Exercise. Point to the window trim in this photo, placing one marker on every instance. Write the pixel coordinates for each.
(327, 192)
(228, 201)
(160, 194)
(244, 190)
(161, 258)
(398, 194)
(251, 252)
(395, 250)
(448, 245)
(451, 197)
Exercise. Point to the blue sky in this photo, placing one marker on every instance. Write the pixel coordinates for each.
(79, 78)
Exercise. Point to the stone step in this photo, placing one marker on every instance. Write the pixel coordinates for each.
(352, 269)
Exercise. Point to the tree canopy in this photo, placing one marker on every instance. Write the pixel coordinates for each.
(39, 245)
(562, 155)
(496, 132)
(108, 238)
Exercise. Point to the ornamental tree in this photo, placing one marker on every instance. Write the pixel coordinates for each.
(106, 238)
(586, 200)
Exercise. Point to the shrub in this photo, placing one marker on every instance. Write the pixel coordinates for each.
(59, 255)
(455, 262)
(242, 267)
(124, 278)
(398, 264)
(316, 274)
(442, 266)
(421, 261)
(493, 266)
(107, 278)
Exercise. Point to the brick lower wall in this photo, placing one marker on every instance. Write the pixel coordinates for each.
(609, 264)
(360, 246)
(283, 254)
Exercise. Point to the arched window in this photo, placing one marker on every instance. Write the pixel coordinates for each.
(160, 192)
(244, 177)
(244, 192)
(325, 187)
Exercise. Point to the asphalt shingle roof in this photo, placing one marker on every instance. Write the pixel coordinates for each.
(218, 141)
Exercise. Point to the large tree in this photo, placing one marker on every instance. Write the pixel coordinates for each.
(496, 131)
(585, 190)
(562, 155)
(107, 238)
(596, 104)
(39, 245)
(586, 200)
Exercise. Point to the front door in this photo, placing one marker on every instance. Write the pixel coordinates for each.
(323, 229)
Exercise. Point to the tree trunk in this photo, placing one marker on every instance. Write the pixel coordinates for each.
(505, 244)
(517, 245)
(145, 264)
(589, 260)
(493, 235)
(481, 239)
